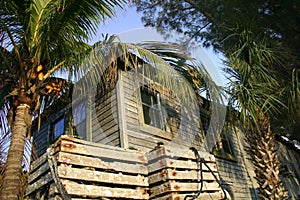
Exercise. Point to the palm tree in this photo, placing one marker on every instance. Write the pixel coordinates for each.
(39, 37)
(255, 91)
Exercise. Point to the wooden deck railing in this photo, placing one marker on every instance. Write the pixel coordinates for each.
(77, 169)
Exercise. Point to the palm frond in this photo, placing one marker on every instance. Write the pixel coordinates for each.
(67, 22)
(4, 133)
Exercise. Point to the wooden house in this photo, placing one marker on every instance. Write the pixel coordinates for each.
(138, 112)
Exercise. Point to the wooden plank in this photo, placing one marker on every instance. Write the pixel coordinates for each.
(76, 148)
(97, 163)
(93, 144)
(105, 100)
(38, 172)
(39, 183)
(106, 136)
(146, 141)
(130, 103)
(132, 120)
(202, 196)
(172, 186)
(171, 174)
(178, 164)
(153, 131)
(102, 116)
(69, 172)
(114, 142)
(131, 109)
(178, 152)
(37, 163)
(89, 115)
(81, 190)
(121, 112)
(104, 119)
(100, 134)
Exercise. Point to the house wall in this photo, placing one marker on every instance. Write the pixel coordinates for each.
(145, 137)
(290, 171)
(42, 138)
(237, 175)
(105, 129)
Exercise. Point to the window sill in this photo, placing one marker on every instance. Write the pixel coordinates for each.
(230, 158)
(156, 131)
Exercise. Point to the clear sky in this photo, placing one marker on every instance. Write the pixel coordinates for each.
(128, 26)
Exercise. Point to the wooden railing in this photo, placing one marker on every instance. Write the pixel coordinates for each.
(77, 169)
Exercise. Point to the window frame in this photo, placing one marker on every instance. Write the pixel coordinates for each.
(154, 95)
(167, 133)
(221, 152)
(82, 120)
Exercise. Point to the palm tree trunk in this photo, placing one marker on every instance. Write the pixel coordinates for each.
(265, 158)
(11, 186)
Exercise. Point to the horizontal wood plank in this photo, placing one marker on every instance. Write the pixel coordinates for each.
(69, 172)
(44, 180)
(38, 172)
(81, 190)
(178, 164)
(37, 163)
(93, 144)
(203, 196)
(171, 174)
(93, 162)
(178, 152)
(173, 186)
(117, 154)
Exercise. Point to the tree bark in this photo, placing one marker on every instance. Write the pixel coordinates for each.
(265, 158)
(12, 177)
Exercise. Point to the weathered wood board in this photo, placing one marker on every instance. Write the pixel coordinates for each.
(174, 186)
(83, 190)
(174, 163)
(174, 173)
(202, 196)
(84, 161)
(89, 170)
(177, 152)
(98, 151)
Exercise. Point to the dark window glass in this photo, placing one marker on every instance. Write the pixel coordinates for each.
(58, 128)
(152, 108)
(80, 120)
(224, 146)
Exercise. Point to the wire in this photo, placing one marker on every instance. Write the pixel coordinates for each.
(201, 161)
(53, 168)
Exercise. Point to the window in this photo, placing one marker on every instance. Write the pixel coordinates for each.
(58, 128)
(152, 109)
(80, 120)
(224, 146)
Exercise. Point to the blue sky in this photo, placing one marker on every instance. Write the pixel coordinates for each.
(128, 26)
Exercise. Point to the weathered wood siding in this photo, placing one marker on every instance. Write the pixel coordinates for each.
(42, 138)
(105, 129)
(238, 175)
(290, 172)
(145, 137)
